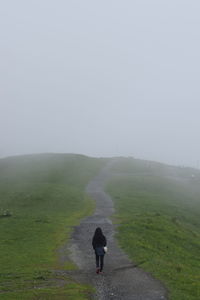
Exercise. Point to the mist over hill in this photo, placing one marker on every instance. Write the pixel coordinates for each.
(103, 79)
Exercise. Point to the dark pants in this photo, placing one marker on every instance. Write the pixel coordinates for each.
(99, 259)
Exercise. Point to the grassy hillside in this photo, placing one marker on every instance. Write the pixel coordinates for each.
(158, 210)
(41, 199)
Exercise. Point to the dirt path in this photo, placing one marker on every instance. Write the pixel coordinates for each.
(121, 279)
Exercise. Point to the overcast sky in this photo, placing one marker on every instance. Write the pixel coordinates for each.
(101, 78)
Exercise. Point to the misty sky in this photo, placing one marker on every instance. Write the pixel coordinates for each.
(101, 78)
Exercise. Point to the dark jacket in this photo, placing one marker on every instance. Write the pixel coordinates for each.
(98, 242)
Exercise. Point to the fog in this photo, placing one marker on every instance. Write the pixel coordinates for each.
(101, 78)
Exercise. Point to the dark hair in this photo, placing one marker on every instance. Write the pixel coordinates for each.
(98, 232)
(99, 240)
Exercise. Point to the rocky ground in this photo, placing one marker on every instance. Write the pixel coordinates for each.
(121, 278)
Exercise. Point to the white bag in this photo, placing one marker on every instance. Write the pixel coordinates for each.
(105, 249)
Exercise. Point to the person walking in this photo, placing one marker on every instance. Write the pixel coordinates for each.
(99, 243)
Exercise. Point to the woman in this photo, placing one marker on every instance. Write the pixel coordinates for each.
(98, 243)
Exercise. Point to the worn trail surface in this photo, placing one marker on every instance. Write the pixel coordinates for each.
(121, 279)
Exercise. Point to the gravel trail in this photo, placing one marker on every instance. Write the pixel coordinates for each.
(121, 278)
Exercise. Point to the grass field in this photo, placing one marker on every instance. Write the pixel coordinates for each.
(158, 211)
(41, 199)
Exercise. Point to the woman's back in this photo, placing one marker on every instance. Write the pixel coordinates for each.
(99, 239)
(98, 243)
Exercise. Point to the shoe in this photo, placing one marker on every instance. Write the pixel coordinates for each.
(97, 270)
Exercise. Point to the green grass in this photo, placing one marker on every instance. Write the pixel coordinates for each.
(45, 196)
(70, 292)
(159, 218)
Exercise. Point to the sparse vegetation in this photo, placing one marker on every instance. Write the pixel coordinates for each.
(5, 213)
(41, 199)
(158, 210)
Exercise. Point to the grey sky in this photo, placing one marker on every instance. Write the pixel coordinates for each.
(101, 78)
